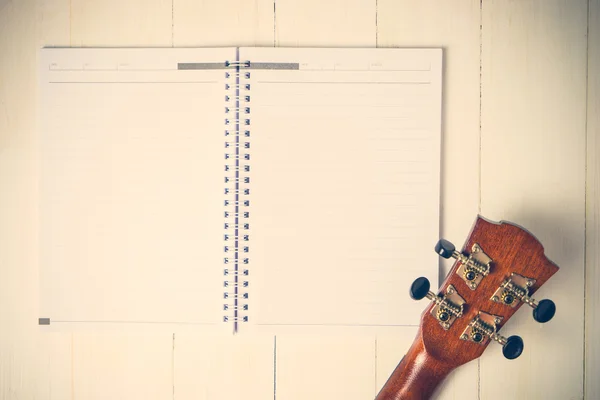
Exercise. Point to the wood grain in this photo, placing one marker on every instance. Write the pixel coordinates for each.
(435, 351)
(592, 277)
(343, 367)
(117, 23)
(55, 24)
(334, 23)
(225, 23)
(32, 365)
(533, 172)
(223, 367)
(115, 365)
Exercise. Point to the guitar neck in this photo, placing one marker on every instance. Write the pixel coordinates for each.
(417, 376)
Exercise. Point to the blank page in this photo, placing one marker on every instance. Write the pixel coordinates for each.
(345, 185)
(131, 187)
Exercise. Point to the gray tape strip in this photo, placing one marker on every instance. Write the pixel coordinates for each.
(257, 65)
(264, 65)
(201, 65)
(44, 321)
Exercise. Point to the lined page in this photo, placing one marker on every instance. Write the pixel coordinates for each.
(131, 187)
(345, 178)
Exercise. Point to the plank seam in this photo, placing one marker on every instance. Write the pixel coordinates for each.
(173, 366)
(480, 150)
(376, 366)
(376, 23)
(72, 366)
(275, 367)
(585, 198)
(480, 97)
(70, 23)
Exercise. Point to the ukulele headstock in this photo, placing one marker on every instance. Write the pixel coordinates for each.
(499, 268)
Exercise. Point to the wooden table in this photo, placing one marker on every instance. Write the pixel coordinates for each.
(520, 142)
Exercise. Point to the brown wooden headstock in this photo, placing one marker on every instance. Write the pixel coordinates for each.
(499, 268)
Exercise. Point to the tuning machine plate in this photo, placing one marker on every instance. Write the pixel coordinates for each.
(474, 267)
(513, 290)
(448, 308)
(484, 327)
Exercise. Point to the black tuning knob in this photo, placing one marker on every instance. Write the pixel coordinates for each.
(419, 288)
(513, 347)
(444, 248)
(544, 311)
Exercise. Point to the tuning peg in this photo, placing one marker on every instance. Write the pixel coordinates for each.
(544, 311)
(445, 248)
(420, 289)
(513, 347)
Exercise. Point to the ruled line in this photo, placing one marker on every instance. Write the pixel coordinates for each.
(341, 325)
(349, 82)
(144, 82)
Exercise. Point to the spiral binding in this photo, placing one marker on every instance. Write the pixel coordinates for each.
(237, 202)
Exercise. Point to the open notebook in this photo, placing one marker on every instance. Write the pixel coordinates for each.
(268, 189)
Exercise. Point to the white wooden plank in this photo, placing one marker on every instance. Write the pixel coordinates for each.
(223, 367)
(455, 28)
(533, 173)
(116, 365)
(54, 349)
(592, 277)
(54, 369)
(325, 367)
(122, 366)
(315, 23)
(55, 22)
(32, 364)
(121, 23)
(227, 23)
(335, 23)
